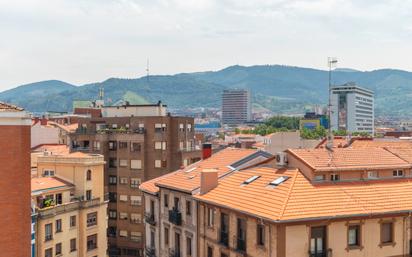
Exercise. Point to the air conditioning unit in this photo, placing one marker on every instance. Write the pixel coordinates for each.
(281, 159)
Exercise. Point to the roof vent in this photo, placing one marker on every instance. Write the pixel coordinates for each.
(250, 180)
(278, 181)
(190, 170)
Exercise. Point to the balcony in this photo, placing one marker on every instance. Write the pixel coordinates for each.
(150, 252)
(175, 217)
(224, 238)
(48, 237)
(76, 204)
(174, 253)
(150, 218)
(241, 245)
(321, 253)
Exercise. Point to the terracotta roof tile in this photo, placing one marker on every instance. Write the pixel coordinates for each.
(348, 159)
(48, 183)
(55, 149)
(188, 179)
(297, 198)
(381, 143)
(5, 107)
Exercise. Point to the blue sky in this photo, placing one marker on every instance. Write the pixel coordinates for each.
(82, 41)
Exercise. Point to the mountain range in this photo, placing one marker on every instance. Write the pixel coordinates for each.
(281, 89)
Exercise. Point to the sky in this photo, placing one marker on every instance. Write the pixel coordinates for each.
(84, 41)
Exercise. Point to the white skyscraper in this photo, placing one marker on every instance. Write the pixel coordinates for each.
(236, 106)
(352, 108)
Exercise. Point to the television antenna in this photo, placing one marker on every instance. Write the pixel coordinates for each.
(332, 63)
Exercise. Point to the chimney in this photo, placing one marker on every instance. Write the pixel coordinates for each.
(208, 180)
(206, 150)
(43, 121)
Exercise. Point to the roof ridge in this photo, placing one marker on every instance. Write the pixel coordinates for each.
(396, 154)
(288, 194)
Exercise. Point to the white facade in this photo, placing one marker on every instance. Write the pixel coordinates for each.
(134, 110)
(352, 108)
(44, 135)
(236, 106)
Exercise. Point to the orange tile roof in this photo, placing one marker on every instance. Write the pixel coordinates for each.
(188, 179)
(401, 152)
(338, 142)
(55, 149)
(298, 199)
(348, 159)
(49, 183)
(67, 128)
(381, 143)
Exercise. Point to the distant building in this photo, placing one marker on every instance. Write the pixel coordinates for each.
(236, 106)
(352, 108)
(312, 120)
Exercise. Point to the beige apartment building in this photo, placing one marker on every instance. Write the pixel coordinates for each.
(313, 202)
(69, 203)
(171, 211)
(139, 143)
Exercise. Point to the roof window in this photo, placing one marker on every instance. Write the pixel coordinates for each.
(278, 181)
(250, 180)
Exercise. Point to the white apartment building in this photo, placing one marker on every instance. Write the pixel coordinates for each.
(236, 106)
(352, 108)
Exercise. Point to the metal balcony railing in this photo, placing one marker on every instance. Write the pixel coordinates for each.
(150, 252)
(224, 238)
(150, 218)
(241, 245)
(175, 217)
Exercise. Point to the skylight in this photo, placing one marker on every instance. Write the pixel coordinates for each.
(250, 180)
(190, 170)
(278, 181)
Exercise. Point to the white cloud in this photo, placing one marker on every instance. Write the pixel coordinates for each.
(82, 41)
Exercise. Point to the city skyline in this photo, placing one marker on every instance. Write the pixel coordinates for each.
(81, 42)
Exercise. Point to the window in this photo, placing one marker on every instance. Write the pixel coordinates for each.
(166, 200)
(123, 163)
(224, 229)
(319, 177)
(136, 218)
(112, 145)
(158, 145)
(188, 246)
(114, 126)
(112, 163)
(135, 200)
(158, 163)
(112, 180)
(96, 145)
(135, 147)
(209, 251)
(92, 219)
(112, 214)
(136, 236)
(123, 216)
(58, 225)
(88, 195)
(88, 175)
(398, 173)
(189, 127)
(372, 174)
(91, 242)
(386, 232)
(123, 198)
(159, 127)
(136, 164)
(134, 182)
(334, 177)
(181, 127)
(123, 180)
(113, 197)
(48, 232)
(122, 145)
(48, 252)
(188, 208)
(123, 233)
(166, 236)
(164, 164)
(73, 245)
(58, 249)
(241, 235)
(164, 145)
(260, 238)
(111, 231)
(353, 236)
(250, 180)
(73, 221)
(181, 145)
(210, 217)
(59, 198)
(48, 173)
(176, 203)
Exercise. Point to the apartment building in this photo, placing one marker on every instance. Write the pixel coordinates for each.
(171, 211)
(236, 106)
(352, 108)
(70, 206)
(313, 202)
(15, 222)
(139, 143)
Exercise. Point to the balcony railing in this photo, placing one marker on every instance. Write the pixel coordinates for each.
(175, 217)
(224, 238)
(150, 218)
(150, 252)
(321, 253)
(48, 237)
(174, 253)
(76, 204)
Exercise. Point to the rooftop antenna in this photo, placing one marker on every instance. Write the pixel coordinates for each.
(332, 62)
(147, 70)
(101, 93)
